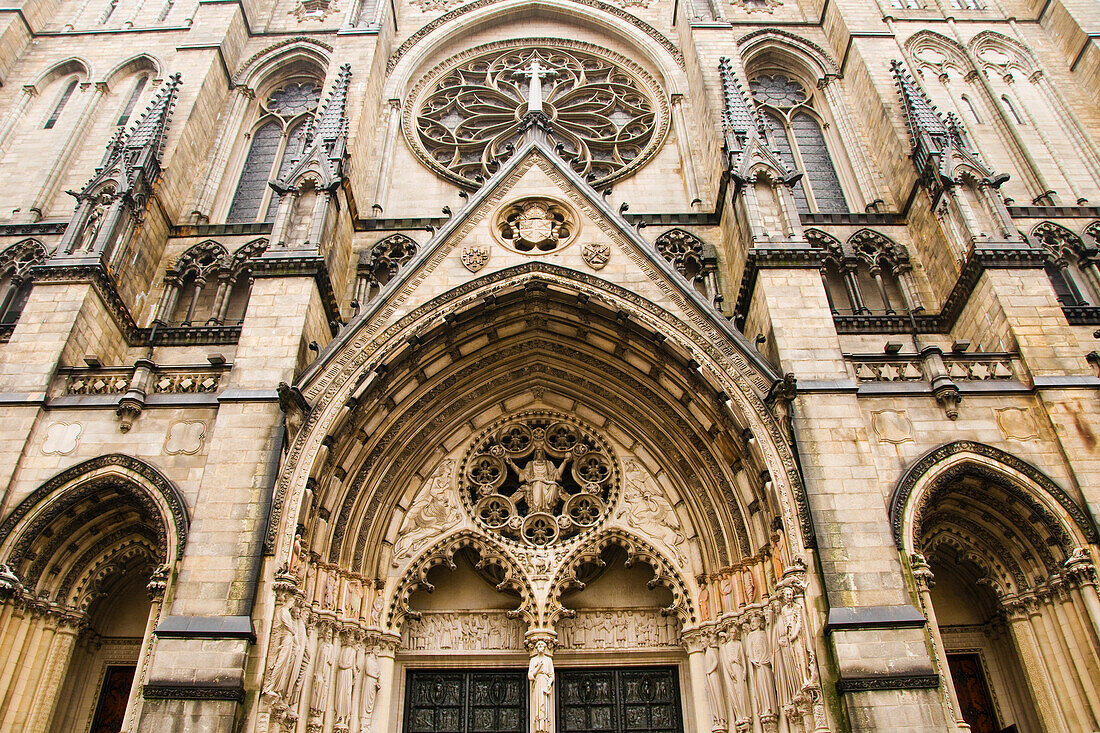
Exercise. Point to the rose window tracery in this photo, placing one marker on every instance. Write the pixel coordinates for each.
(539, 478)
(603, 113)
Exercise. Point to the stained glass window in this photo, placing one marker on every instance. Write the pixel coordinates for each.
(797, 135)
(61, 102)
(256, 173)
(272, 152)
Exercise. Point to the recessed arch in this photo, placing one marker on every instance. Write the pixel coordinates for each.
(274, 61)
(135, 65)
(72, 66)
(797, 53)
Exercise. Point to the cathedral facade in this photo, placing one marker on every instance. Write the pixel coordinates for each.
(546, 366)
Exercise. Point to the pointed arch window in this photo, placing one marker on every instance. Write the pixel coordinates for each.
(277, 142)
(1012, 109)
(131, 101)
(59, 106)
(797, 133)
(1071, 266)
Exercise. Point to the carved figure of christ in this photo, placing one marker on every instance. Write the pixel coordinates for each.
(536, 72)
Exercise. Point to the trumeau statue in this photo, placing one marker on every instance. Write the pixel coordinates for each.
(322, 671)
(541, 675)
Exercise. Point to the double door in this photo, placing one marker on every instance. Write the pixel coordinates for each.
(596, 700)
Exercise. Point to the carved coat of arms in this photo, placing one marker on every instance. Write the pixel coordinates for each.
(535, 225)
(596, 254)
(474, 256)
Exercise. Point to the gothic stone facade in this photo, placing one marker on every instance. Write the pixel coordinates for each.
(714, 366)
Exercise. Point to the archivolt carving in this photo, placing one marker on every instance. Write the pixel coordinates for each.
(580, 565)
(908, 482)
(606, 114)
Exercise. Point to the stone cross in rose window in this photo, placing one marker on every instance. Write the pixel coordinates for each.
(536, 72)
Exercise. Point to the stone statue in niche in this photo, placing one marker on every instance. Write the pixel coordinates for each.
(704, 600)
(541, 675)
(345, 686)
(284, 676)
(647, 509)
(735, 672)
(759, 654)
(94, 223)
(372, 681)
(318, 698)
(433, 513)
(539, 481)
(376, 608)
(792, 660)
(715, 699)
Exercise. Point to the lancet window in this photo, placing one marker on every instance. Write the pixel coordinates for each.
(15, 286)
(277, 141)
(208, 286)
(795, 126)
(1071, 265)
(131, 101)
(62, 100)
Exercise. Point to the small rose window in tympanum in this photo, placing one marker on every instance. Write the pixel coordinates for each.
(539, 478)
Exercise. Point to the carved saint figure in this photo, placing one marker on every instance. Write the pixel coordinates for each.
(704, 600)
(714, 690)
(318, 696)
(541, 675)
(372, 680)
(433, 512)
(345, 686)
(791, 657)
(736, 672)
(289, 658)
(758, 651)
(538, 481)
(94, 224)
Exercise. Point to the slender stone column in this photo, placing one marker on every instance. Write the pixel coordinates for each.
(44, 705)
(924, 578)
(686, 164)
(385, 163)
(15, 116)
(1038, 681)
(695, 641)
(380, 719)
(219, 157)
(853, 146)
(46, 193)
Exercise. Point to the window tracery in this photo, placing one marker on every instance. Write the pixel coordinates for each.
(1071, 265)
(277, 140)
(796, 130)
(867, 276)
(208, 286)
(379, 265)
(539, 478)
(689, 256)
(605, 114)
(15, 285)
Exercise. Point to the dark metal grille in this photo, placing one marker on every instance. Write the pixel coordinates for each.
(466, 701)
(635, 699)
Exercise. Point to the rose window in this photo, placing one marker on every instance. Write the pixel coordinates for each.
(604, 114)
(539, 478)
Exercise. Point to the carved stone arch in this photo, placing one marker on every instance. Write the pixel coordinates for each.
(428, 43)
(589, 556)
(1057, 240)
(1093, 231)
(491, 557)
(684, 251)
(145, 508)
(21, 256)
(357, 493)
(876, 248)
(74, 65)
(200, 260)
(829, 245)
(1027, 484)
(241, 257)
(386, 257)
(772, 47)
(954, 55)
(1019, 57)
(274, 62)
(142, 62)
